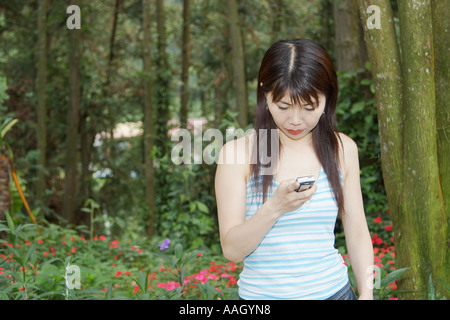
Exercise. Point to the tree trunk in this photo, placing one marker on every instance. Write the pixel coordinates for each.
(347, 42)
(148, 119)
(422, 234)
(327, 25)
(238, 64)
(277, 9)
(185, 64)
(384, 54)
(409, 149)
(5, 194)
(71, 161)
(441, 30)
(41, 128)
(163, 75)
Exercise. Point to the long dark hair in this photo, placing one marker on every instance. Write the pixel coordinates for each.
(301, 68)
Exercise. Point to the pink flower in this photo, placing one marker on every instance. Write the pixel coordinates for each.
(118, 273)
(172, 285)
(102, 238)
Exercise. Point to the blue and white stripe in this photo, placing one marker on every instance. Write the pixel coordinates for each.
(297, 258)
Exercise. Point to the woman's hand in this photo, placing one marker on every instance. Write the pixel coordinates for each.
(285, 199)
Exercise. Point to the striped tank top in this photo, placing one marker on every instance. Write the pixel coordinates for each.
(297, 258)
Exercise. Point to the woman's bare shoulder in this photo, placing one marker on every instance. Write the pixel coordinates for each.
(348, 152)
(238, 154)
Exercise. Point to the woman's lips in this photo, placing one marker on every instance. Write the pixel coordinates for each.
(295, 132)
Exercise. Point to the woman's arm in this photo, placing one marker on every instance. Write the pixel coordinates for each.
(239, 237)
(357, 236)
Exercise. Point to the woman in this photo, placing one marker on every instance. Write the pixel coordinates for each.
(285, 236)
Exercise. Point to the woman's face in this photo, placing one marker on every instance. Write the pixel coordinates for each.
(296, 121)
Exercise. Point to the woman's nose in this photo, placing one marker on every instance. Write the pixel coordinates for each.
(296, 116)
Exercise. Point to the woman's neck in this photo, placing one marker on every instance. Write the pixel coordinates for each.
(295, 144)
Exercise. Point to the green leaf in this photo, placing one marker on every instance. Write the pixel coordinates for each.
(178, 250)
(431, 289)
(202, 207)
(357, 107)
(3, 296)
(10, 222)
(391, 277)
(8, 126)
(31, 254)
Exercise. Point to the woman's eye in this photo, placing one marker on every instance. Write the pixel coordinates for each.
(283, 108)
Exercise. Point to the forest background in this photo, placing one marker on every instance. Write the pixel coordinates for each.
(95, 109)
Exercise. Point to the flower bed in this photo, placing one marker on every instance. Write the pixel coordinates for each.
(36, 266)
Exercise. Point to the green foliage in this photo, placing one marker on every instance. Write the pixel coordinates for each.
(356, 114)
(35, 267)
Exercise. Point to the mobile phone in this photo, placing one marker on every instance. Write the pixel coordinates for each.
(305, 183)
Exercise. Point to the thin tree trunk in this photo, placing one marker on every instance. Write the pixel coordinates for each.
(148, 119)
(41, 128)
(162, 81)
(71, 161)
(277, 7)
(185, 64)
(347, 49)
(238, 64)
(384, 54)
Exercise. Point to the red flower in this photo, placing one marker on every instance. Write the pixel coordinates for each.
(114, 244)
(118, 273)
(377, 220)
(388, 228)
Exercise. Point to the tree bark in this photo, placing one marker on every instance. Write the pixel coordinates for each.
(41, 128)
(162, 84)
(148, 119)
(422, 234)
(441, 34)
(277, 9)
(347, 42)
(185, 64)
(71, 160)
(238, 64)
(384, 54)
